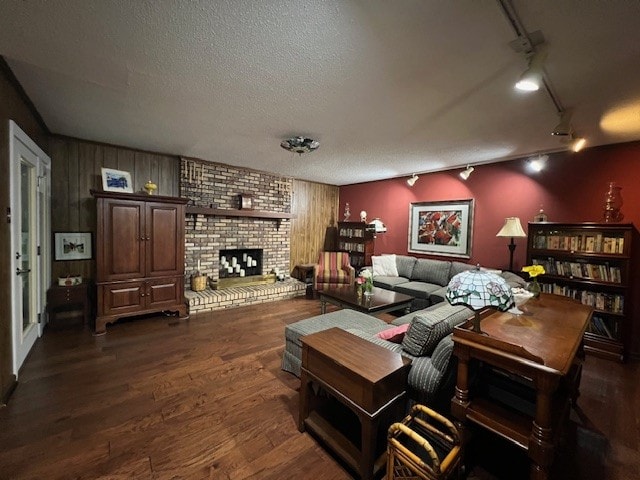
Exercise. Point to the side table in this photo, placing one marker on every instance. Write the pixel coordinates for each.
(304, 273)
(64, 298)
(362, 381)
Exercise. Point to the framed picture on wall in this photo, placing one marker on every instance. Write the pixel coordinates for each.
(116, 180)
(441, 228)
(72, 245)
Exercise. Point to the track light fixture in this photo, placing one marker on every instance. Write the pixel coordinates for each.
(538, 163)
(577, 143)
(531, 79)
(466, 172)
(412, 181)
(563, 129)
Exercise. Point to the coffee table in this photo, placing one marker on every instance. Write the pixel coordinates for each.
(367, 380)
(382, 300)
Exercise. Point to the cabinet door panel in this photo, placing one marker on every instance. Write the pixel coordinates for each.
(164, 292)
(122, 298)
(164, 239)
(123, 248)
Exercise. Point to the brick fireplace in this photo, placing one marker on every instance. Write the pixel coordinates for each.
(215, 189)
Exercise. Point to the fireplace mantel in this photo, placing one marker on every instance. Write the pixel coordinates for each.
(237, 213)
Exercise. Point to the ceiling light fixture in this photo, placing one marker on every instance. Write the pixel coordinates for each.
(300, 145)
(531, 79)
(412, 181)
(538, 163)
(466, 172)
(578, 143)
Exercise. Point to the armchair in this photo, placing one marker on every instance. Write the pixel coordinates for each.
(333, 268)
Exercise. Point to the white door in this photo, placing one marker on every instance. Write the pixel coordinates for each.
(30, 233)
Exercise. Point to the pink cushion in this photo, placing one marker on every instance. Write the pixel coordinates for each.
(395, 334)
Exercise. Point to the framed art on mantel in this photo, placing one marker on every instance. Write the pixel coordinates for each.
(441, 228)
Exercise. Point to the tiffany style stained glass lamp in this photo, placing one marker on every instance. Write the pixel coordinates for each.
(479, 289)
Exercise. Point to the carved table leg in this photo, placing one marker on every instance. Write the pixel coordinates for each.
(541, 441)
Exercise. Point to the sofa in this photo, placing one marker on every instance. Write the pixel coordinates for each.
(424, 279)
(427, 341)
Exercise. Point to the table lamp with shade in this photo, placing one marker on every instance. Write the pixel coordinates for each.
(479, 289)
(511, 228)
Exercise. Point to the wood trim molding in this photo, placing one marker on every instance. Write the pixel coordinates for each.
(237, 213)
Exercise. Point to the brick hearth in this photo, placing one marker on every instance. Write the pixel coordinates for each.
(241, 296)
(218, 186)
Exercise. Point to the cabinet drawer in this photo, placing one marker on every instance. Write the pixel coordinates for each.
(61, 295)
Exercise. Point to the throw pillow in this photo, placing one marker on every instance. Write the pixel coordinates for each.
(432, 271)
(395, 334)
(384, 266)
(427, 329)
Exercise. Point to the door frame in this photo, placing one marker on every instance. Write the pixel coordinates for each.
(42, 264)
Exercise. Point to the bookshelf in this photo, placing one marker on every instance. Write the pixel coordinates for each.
(589, 262)
(357, 238)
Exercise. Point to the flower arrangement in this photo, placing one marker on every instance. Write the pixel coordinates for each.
(534, 271)
(365, 281)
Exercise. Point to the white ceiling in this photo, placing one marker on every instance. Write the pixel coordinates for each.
(388, 87)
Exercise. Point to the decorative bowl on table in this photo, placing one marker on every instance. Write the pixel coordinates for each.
(520, 297)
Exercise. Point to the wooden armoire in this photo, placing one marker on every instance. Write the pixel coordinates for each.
(139, 255)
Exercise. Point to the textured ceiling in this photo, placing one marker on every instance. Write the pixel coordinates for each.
(388, 88)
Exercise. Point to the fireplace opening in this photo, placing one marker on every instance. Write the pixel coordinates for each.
(240, 262)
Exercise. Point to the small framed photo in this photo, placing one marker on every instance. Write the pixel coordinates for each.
(246, 201)
(116, 180)
(72, 246)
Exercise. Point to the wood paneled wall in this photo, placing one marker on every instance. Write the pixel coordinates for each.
(316, 209)
(76, 169)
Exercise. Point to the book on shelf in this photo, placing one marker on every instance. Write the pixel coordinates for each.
(605, 302)
(597, 243)
(601, 272)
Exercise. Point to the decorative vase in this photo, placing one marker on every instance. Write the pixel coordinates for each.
(150, 187)
(347, 212)
(534, 287)
(612, 204)
(359, 290)
(368, 287)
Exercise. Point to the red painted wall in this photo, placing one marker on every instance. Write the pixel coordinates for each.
(571, 188)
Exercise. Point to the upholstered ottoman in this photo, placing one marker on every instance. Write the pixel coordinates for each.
(345, 319)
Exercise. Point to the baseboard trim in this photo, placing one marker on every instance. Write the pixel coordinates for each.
(7, 390)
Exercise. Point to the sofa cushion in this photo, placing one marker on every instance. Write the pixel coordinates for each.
(417, 289)
(384, 266)
(432, 271)
(428, 328)
(438, 296)
(404, 265)
(406, 319)
(459, 267)
(389, 282)
(513, 280)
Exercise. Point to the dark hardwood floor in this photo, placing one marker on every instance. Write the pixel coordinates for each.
(159, 398)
